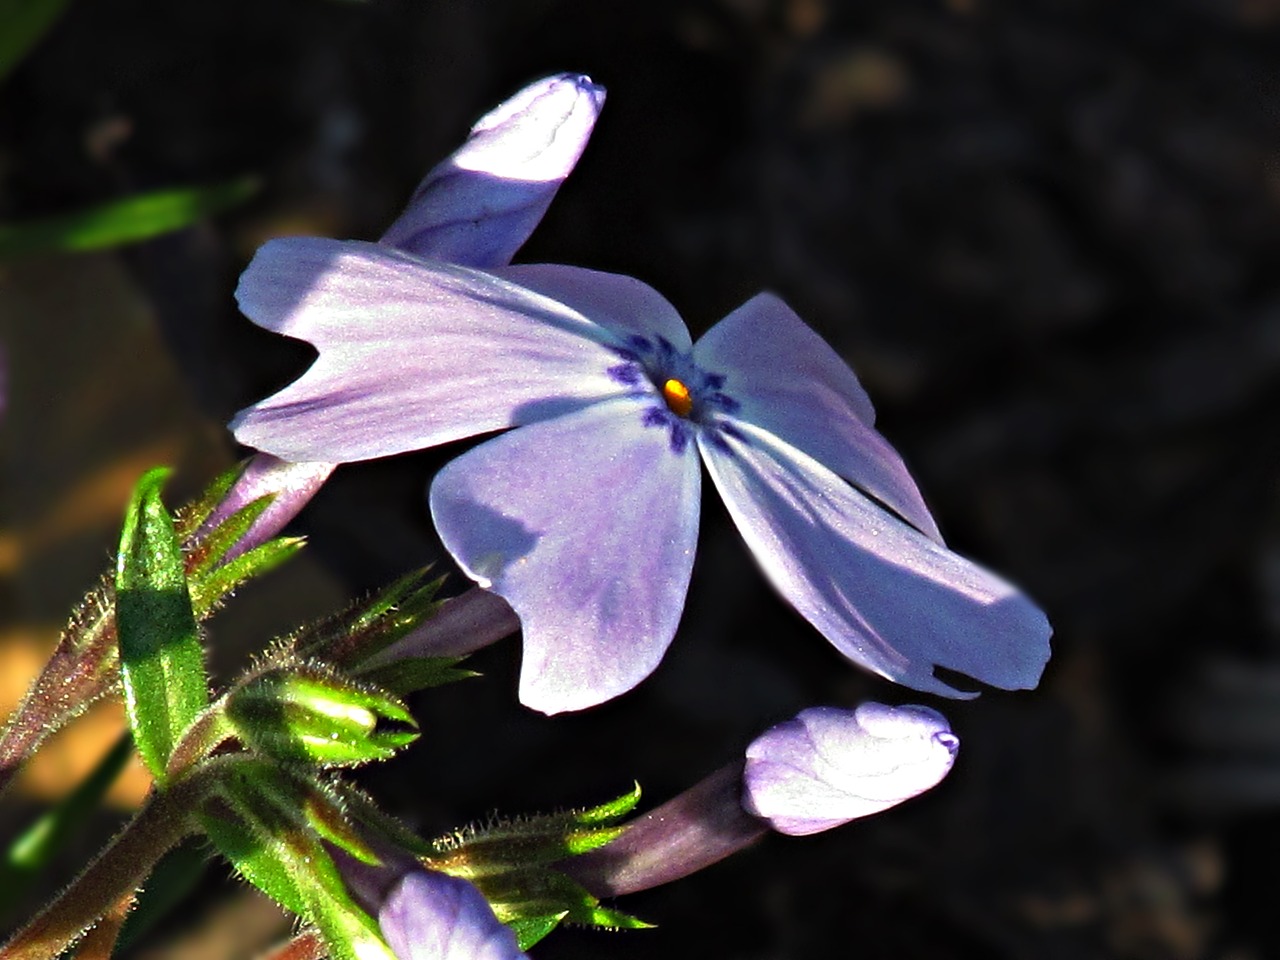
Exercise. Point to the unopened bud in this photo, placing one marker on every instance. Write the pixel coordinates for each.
(829, 766)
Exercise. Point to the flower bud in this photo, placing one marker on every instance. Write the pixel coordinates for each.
(479, 206)
(432, 916)
(305, 714)
(829, 766)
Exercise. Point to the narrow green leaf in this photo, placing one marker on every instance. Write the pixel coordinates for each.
(22, 24)
(122, 221)
(161, 660)
(37, 845)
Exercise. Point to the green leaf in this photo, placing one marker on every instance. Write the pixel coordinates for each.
(122, 221)
(161, 660)
(39, 843)
(22, 24)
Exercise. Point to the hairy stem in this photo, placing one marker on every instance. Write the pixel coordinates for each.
(164, 821)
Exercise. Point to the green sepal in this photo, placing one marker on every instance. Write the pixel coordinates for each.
(191, 517)
(22, 24)
(254, 860)
(541, 893)
(267, 834)
(118, 222)
(210, 587)
(362, 810)
(308, 713)
(204, 554)
(353, 636)
(529, 930)
(161, 659)
(505, 844)
(415, 673)
(610, 811)
(514, 864)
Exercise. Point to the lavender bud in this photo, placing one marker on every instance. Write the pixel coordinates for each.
(829, 766)
(432, 916)
(479, 206)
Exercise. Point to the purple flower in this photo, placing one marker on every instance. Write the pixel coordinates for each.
(585, 519)
(829, 766)
(476, 207)
(432, 916)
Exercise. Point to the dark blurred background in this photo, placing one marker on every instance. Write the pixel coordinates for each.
(1045, 235)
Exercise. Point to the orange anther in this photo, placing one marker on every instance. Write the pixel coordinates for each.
(677, 396)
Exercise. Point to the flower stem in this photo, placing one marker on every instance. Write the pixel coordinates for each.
(307, 945)
(700, 827)
(164, 820)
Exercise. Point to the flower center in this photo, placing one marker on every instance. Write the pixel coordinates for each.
(679, 400)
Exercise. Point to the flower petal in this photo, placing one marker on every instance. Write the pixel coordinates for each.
(829, 766)
(885, 595)
(586, 525)
(790, 382)
(623, 304)
(480, 205)
(432, 916)
(412, 353)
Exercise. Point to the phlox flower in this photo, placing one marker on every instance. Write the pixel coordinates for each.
(432, 916)
(829, 766)
(585, 518)
(476, 207)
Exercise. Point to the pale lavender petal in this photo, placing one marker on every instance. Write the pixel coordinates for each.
(829, 766)
(586, 525)
(787, 380)
(412, 353)
(291, 484)
(625, 305)
(885, 595)
(432, 916)
(480, 205)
